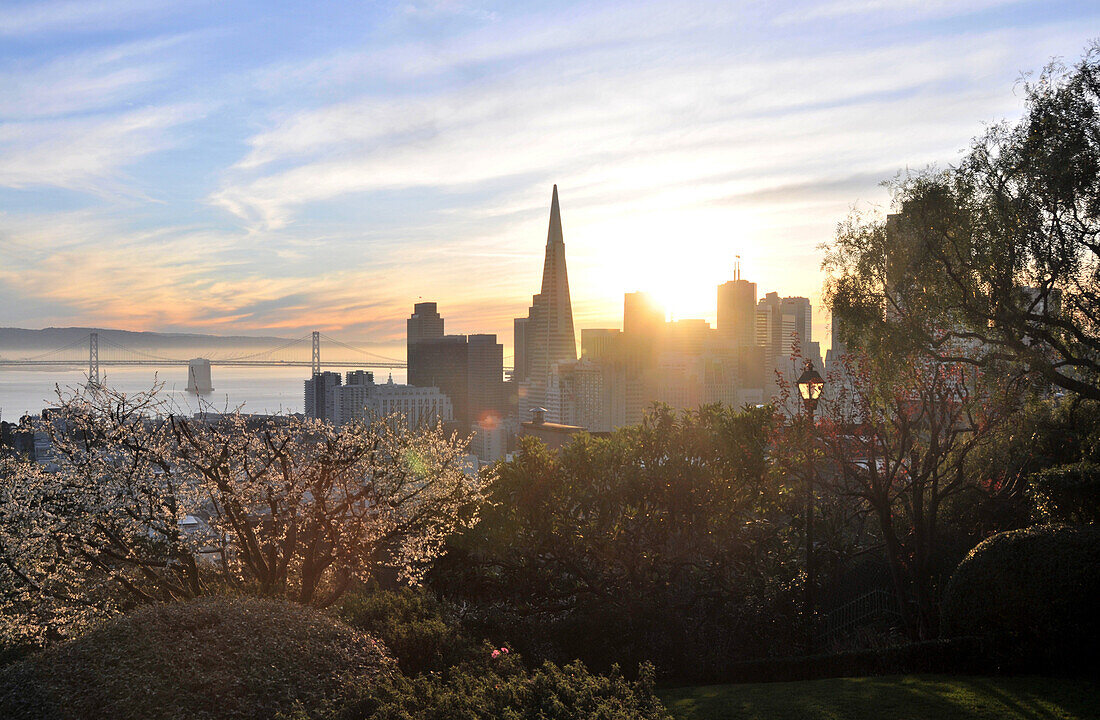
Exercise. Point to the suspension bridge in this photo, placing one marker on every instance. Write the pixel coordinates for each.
(304, 352)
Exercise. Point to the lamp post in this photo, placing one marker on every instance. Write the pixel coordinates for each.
(810, 385)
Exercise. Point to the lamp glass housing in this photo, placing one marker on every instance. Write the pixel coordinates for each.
(810, 385)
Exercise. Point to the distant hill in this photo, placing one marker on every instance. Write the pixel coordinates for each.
(21, 341)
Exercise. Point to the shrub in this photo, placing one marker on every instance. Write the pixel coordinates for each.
(1068, 493)
(212, 658)
(507, 691)
(413, 626)
(1034, 593)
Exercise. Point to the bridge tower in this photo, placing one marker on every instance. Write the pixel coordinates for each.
(93, 360)
(316, 352)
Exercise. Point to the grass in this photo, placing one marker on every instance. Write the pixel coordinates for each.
(904, 697)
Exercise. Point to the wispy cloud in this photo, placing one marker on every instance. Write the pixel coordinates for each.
(82, 16)
(84, 81)
(262, 169)
(84, 153)
(693, 118)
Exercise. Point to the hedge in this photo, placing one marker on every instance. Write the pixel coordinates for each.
(215, 658)
(1034, 593)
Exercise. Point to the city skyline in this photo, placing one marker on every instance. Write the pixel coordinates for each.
(197, 168)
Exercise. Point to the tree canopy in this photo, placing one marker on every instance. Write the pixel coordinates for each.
(995, 261)
(139, 504)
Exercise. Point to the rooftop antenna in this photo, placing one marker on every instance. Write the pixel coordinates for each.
(737, 267)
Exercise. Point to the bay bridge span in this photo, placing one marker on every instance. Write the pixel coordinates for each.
(303, 352)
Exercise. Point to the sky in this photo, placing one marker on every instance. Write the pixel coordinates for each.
(275, 167)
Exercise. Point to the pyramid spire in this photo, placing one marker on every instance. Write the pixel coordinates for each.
(548, 334)
(553, 235)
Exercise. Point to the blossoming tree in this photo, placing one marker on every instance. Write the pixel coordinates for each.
(141, 504)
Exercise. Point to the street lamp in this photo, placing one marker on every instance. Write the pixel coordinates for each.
(810, 385)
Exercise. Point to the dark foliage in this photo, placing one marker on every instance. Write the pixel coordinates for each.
(414, 627)
(507, 691)
(1033, 593)
(213, 658)
(667, 542)
(1068, 493)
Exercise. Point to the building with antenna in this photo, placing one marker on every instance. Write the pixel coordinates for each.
(737, 309)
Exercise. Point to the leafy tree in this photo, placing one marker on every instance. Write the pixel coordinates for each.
(141, 505)
(994, 262)
(896, 447)
(669, 541)
(1044, 466)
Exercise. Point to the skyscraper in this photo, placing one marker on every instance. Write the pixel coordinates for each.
(320, 400)
(484, 379)
(737, 310)
(642, 316)
(548, 335)
(519, 345)
(424, 324)
(469, 370)
(442, 362)
(780, 323)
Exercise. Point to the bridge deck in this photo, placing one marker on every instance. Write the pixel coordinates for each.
(236, 363)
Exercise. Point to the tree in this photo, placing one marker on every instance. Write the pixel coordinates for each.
(897, 447)
(994, 262)
(140, 504)
(667, 541)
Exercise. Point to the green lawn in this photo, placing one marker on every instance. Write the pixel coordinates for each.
(904, 697)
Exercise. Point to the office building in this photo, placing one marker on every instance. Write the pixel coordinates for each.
(642, 315)
(414, 407)
(489, 441)
(469, 370)
(443, 363)
(782, 325)
(424, 324)
(320, 400)
(599, 343)
(484, 379)
(358, 377)
(520, 367)
(737, 310)
(547, 334)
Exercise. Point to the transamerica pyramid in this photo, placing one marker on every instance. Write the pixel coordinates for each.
(546, 335)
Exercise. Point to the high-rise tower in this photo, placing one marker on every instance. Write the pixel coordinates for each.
(737, 310)
(548, 335)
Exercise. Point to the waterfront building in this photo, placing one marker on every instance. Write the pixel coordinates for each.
(320, 400)
(198, 376)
